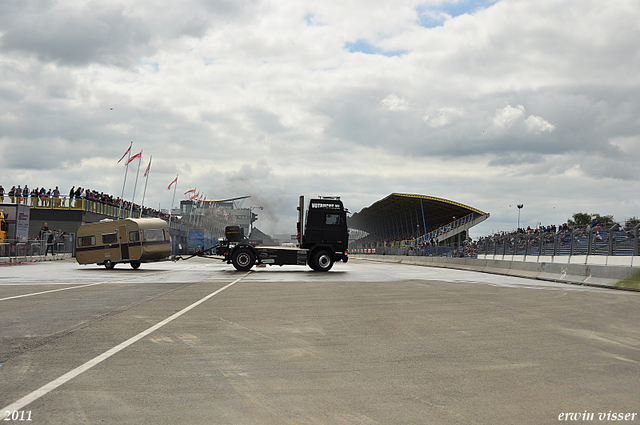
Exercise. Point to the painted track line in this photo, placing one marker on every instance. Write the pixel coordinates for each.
(122, 280)
(52, 290)
(29, 398)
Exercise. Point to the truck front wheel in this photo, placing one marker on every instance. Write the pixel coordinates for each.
(243, 259)
(321, 261)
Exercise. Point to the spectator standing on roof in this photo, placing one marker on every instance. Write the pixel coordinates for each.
(56, 196)
(1, 194)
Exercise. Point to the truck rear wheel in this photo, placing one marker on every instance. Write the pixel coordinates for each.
(243, 259)
(321, 261)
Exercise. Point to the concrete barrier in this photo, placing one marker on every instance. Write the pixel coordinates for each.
(33, 259)
(577, 271)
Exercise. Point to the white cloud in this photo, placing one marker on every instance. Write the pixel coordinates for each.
(395, 103)
(538, 124)
(506, 117)
(514, 117)
(268, 90)
(443, 116)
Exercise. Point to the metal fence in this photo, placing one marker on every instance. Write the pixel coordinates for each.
(577, 241)
(11, 249)
(70, 204)
(422, 251)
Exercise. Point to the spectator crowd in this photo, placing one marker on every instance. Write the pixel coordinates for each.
(42, 197)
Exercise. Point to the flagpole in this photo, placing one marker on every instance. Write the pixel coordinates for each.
(173, 199)
(125, 178)
(171, 211)
(133, 197)
(146, 174)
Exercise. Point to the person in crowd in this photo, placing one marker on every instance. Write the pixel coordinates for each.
(1, 194)
(43, 231)
(25, 194)
(56, 197)
(50, 238)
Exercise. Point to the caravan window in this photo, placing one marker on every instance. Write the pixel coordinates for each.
(87, 241)
(153, 235)
(134, 236)
(110, 238)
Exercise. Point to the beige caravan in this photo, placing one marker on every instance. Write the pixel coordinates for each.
(133, 240)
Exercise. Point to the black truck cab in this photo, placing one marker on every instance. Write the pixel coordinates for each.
(326, 226)
(321, 242)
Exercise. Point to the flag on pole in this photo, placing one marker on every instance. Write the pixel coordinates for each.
(146, 180)
(148, 168)
(171, 184)
(138, 155)
(125, 154)
(190, 191)
(133, 197)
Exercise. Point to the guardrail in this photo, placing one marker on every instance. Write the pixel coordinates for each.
(580, 241)
(71, 204)
(82, 204)
(12, 251)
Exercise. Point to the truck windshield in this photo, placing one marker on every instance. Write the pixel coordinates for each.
(333, 220)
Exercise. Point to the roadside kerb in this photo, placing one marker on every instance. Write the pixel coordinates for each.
(33, 259)
(609, 276)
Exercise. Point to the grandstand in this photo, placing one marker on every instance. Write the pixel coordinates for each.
(402, 222)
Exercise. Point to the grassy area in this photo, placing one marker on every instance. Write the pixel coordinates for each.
(632, 282)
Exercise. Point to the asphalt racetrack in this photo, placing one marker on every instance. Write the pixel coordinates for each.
(195, 342)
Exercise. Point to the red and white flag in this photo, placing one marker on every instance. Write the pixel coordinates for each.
(138, 155)
(171, 184)
(190, 191)
(148, 168)
(125, 154)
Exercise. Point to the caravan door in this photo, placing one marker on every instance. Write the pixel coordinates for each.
(124, 244)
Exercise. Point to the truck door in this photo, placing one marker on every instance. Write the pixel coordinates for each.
(124, 244)
(333, 230)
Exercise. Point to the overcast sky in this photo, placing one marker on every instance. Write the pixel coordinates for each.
(487, 103)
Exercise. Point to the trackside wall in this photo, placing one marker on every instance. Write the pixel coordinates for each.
(610, 276)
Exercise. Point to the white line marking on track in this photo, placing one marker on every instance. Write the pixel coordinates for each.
(46, 292)
(24, 401)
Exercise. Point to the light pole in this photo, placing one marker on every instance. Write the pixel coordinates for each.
(519, 208)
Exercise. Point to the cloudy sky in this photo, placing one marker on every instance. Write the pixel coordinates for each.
(488, 103)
